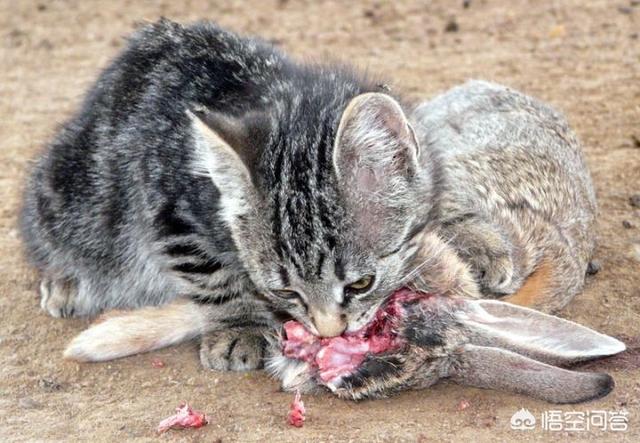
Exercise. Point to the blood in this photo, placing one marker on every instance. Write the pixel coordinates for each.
(463, 404)
(335, 357)
(296, 412)
(185, 417)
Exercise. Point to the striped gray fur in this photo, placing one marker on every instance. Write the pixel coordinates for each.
(211, 166)
(202, 164)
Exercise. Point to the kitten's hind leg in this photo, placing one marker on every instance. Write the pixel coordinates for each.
(58, 296)
(121, 333)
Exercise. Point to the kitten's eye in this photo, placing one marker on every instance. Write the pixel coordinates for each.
(360, 286)
(285, 293)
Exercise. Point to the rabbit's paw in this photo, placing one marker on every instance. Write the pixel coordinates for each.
(489, 254)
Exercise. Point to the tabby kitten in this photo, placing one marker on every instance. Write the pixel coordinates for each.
(208, 165)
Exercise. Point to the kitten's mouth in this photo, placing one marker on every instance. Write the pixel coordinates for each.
(336, 357)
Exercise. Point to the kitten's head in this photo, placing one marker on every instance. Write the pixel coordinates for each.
(324, 216)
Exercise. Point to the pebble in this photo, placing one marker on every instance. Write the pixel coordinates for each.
(49, 385)
(634, 200)
(452, 25)
(594, 267)
(627, 224)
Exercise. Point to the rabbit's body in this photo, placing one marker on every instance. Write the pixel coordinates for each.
(516, 197)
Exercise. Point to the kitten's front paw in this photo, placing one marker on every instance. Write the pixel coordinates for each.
(57, 297)
(233, 350)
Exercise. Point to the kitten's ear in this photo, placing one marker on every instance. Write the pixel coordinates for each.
(226, 150)
(375, 158)
(374, 143)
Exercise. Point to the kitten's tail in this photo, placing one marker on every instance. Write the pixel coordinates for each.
(122, 333)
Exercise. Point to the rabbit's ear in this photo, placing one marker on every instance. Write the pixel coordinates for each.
(528, 332)
(492, 368)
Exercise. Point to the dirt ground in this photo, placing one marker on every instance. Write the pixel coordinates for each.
(581, 56)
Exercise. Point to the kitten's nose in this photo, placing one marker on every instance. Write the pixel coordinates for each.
(328, 324)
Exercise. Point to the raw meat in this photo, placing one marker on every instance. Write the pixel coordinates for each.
(185, 417)
(335, 357)
(463, 404)
(296, 412)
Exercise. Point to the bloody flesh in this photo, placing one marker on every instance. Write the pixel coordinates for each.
(335, 357)
(296, 412)
(185, 417)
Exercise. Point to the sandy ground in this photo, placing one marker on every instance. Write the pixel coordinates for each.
(581, 56)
